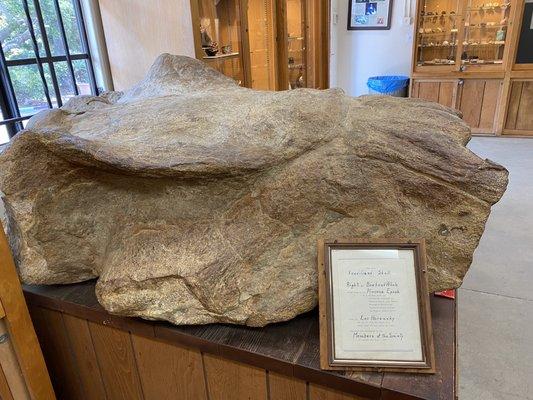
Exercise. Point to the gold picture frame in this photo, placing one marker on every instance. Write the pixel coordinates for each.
(402, 255)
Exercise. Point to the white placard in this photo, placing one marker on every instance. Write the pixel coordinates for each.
(375, 305)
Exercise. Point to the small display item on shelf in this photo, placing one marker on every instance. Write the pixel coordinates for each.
(212, 49)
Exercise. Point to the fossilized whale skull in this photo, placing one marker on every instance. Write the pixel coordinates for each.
(194, 200)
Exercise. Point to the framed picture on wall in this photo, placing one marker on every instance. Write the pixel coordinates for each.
(369, 14)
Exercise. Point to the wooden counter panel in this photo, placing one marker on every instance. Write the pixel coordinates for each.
(91, 352)
(81, 343)
(117, 362)
(180, 368)
(286, 388)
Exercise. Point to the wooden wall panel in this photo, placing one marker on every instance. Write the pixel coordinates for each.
(117, 362)
(169, 371)
(317, 392)
(137, 31)
(54, 343)
(80, 341)
(286, 388)
(232, 380)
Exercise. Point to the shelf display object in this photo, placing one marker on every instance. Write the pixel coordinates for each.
(220, 36)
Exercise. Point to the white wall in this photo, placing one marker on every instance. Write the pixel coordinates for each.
(137, 31)
(357, 55)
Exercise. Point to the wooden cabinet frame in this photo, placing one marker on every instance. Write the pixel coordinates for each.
(23, 373)
(507, 74)
(318, 43)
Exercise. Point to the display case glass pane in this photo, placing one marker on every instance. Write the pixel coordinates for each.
(438, 32)
(485, 32)
(262, 40)
(220, 35)
(296, 44)
(524, 53)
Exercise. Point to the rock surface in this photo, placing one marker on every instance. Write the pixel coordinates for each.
(196, 201)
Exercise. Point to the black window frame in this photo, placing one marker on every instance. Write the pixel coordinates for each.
(8, 101)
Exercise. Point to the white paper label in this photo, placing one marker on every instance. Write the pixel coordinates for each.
(375, 305)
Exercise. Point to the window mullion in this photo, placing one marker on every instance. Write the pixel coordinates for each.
(85, 43)
(46, 44)
(65, 46)
(8, 100)
(36, 51)
(30, 61)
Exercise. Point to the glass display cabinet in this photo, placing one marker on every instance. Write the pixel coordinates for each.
(438, 32)
(454, 34)
(477, 56)
(485, 32)
(264, 44)
(220, 36)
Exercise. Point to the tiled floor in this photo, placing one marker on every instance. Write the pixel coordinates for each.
(496, 299)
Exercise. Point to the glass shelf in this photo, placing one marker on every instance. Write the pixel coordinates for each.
(486, 26)
(483, 44)
(438, 45)
(219, 56)
(436, 33)
(495, 8)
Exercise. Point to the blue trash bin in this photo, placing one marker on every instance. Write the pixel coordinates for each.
(388, 85)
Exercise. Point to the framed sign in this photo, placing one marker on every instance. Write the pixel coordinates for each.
(374, 306)
(369, 14)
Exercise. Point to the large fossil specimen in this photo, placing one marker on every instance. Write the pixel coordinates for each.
(195, 200)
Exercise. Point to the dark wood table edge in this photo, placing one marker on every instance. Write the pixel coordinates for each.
(163, 332)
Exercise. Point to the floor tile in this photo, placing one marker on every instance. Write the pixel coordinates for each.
(495, 336)
(503, 262)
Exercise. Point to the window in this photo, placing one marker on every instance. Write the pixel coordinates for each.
(44, 59)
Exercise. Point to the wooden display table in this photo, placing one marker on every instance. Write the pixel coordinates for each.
(94, 355)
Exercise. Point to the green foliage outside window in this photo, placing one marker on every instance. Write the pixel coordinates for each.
(17, 44)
